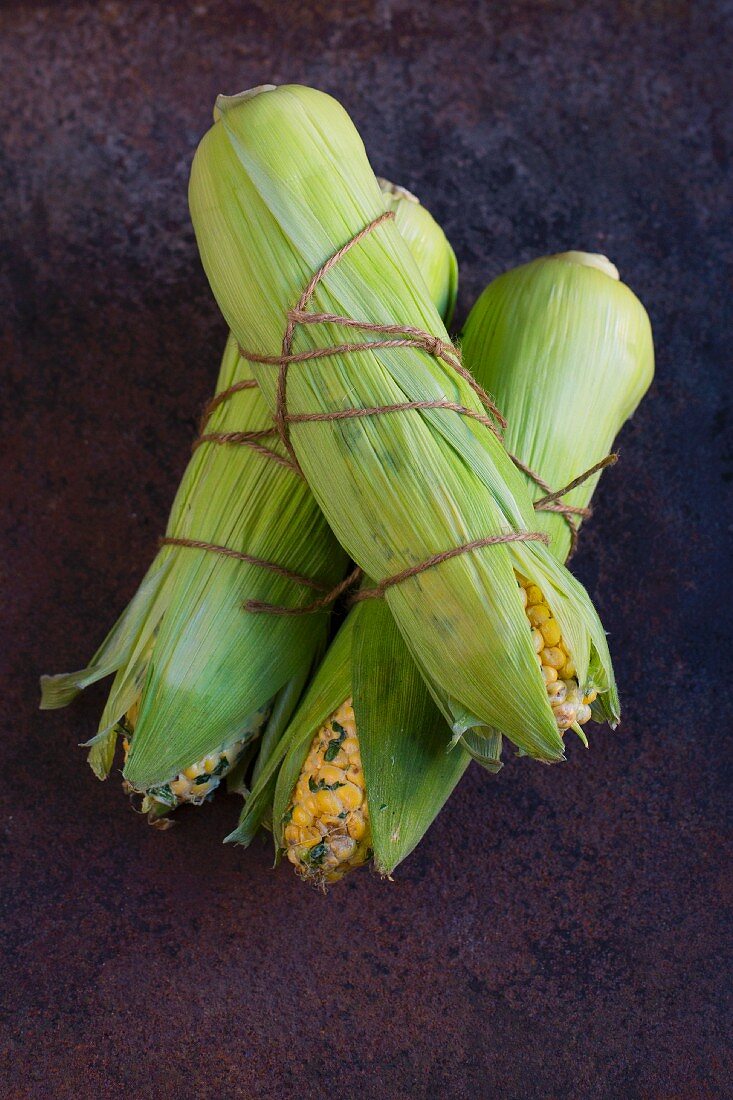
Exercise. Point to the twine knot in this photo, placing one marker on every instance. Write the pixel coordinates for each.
(435, 346)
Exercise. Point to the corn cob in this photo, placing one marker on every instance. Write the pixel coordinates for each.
(570, 706)
(326, 826)
(401, 489)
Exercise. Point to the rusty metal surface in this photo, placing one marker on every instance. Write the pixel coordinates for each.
(561, 931)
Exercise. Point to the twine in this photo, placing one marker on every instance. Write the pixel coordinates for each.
(397, 336)
(227, 552)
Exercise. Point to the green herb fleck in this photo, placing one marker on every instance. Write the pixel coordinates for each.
(163, 794)
(318, 854)
(288, 816)
(321, 785)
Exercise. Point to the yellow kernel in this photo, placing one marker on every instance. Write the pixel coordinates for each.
(294, 855)
(343, 847)
(538, 614)
(191, 772)
(538, 641)
(523, 595)
(550, 632)
(351, 797)
(534, 595)
(590, 697)
(549, 673)
(350, 745)
(180, 787)
(328, 802)
(292, 833)
(584, 714)
(301, 816)
(357, 827)
(553, 657)
(329, 774)
(557, 692)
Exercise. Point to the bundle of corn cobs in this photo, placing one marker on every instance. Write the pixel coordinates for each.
(346, 430)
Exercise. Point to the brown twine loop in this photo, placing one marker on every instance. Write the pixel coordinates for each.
(257, 607)
(243, 439)
(551, 502)
(476, 544)
(249, 559)
(398, 336)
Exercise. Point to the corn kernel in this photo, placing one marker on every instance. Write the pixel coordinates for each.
(328, 802)
(329, 774)
(538, 614)
(351, 796)
(551, 632)
(553, 657)
(534, 595)
(301, 816)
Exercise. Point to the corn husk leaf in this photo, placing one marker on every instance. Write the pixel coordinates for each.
(430, 248)
(278, 184)
(410, 768)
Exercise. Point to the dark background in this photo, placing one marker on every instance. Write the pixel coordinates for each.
(561, 931)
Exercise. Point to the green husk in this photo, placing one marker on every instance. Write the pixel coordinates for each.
(566, 350)
(278, 184)
(409, 771)
(206, 670)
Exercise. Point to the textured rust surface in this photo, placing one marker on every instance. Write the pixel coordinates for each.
(561, 932)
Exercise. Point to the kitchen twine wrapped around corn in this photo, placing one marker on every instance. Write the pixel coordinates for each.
(397, 336)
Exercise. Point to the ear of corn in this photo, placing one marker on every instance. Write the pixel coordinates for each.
(409, 767)
(365, 766)
(271, 199)
(184, 651)
(566, 349)
(189, 663)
